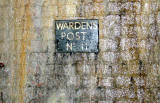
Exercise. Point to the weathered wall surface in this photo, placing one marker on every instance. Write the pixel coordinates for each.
(126, 70)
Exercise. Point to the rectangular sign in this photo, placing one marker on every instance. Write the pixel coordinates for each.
(77, 36)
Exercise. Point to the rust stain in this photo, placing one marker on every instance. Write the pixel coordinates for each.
(145, 10)
(22, 12)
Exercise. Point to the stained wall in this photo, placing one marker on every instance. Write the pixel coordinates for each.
(126, 69)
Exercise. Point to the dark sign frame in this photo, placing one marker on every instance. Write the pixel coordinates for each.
(92, 43)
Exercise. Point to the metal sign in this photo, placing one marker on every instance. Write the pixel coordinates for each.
(77, 35)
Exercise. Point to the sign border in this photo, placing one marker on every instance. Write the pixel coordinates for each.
(56, 46)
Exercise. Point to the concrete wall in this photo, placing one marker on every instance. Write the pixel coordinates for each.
(126, 70)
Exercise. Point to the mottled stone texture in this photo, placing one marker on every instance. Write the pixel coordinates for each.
(126, 70)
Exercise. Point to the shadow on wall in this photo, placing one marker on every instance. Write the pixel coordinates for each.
(58, 97)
